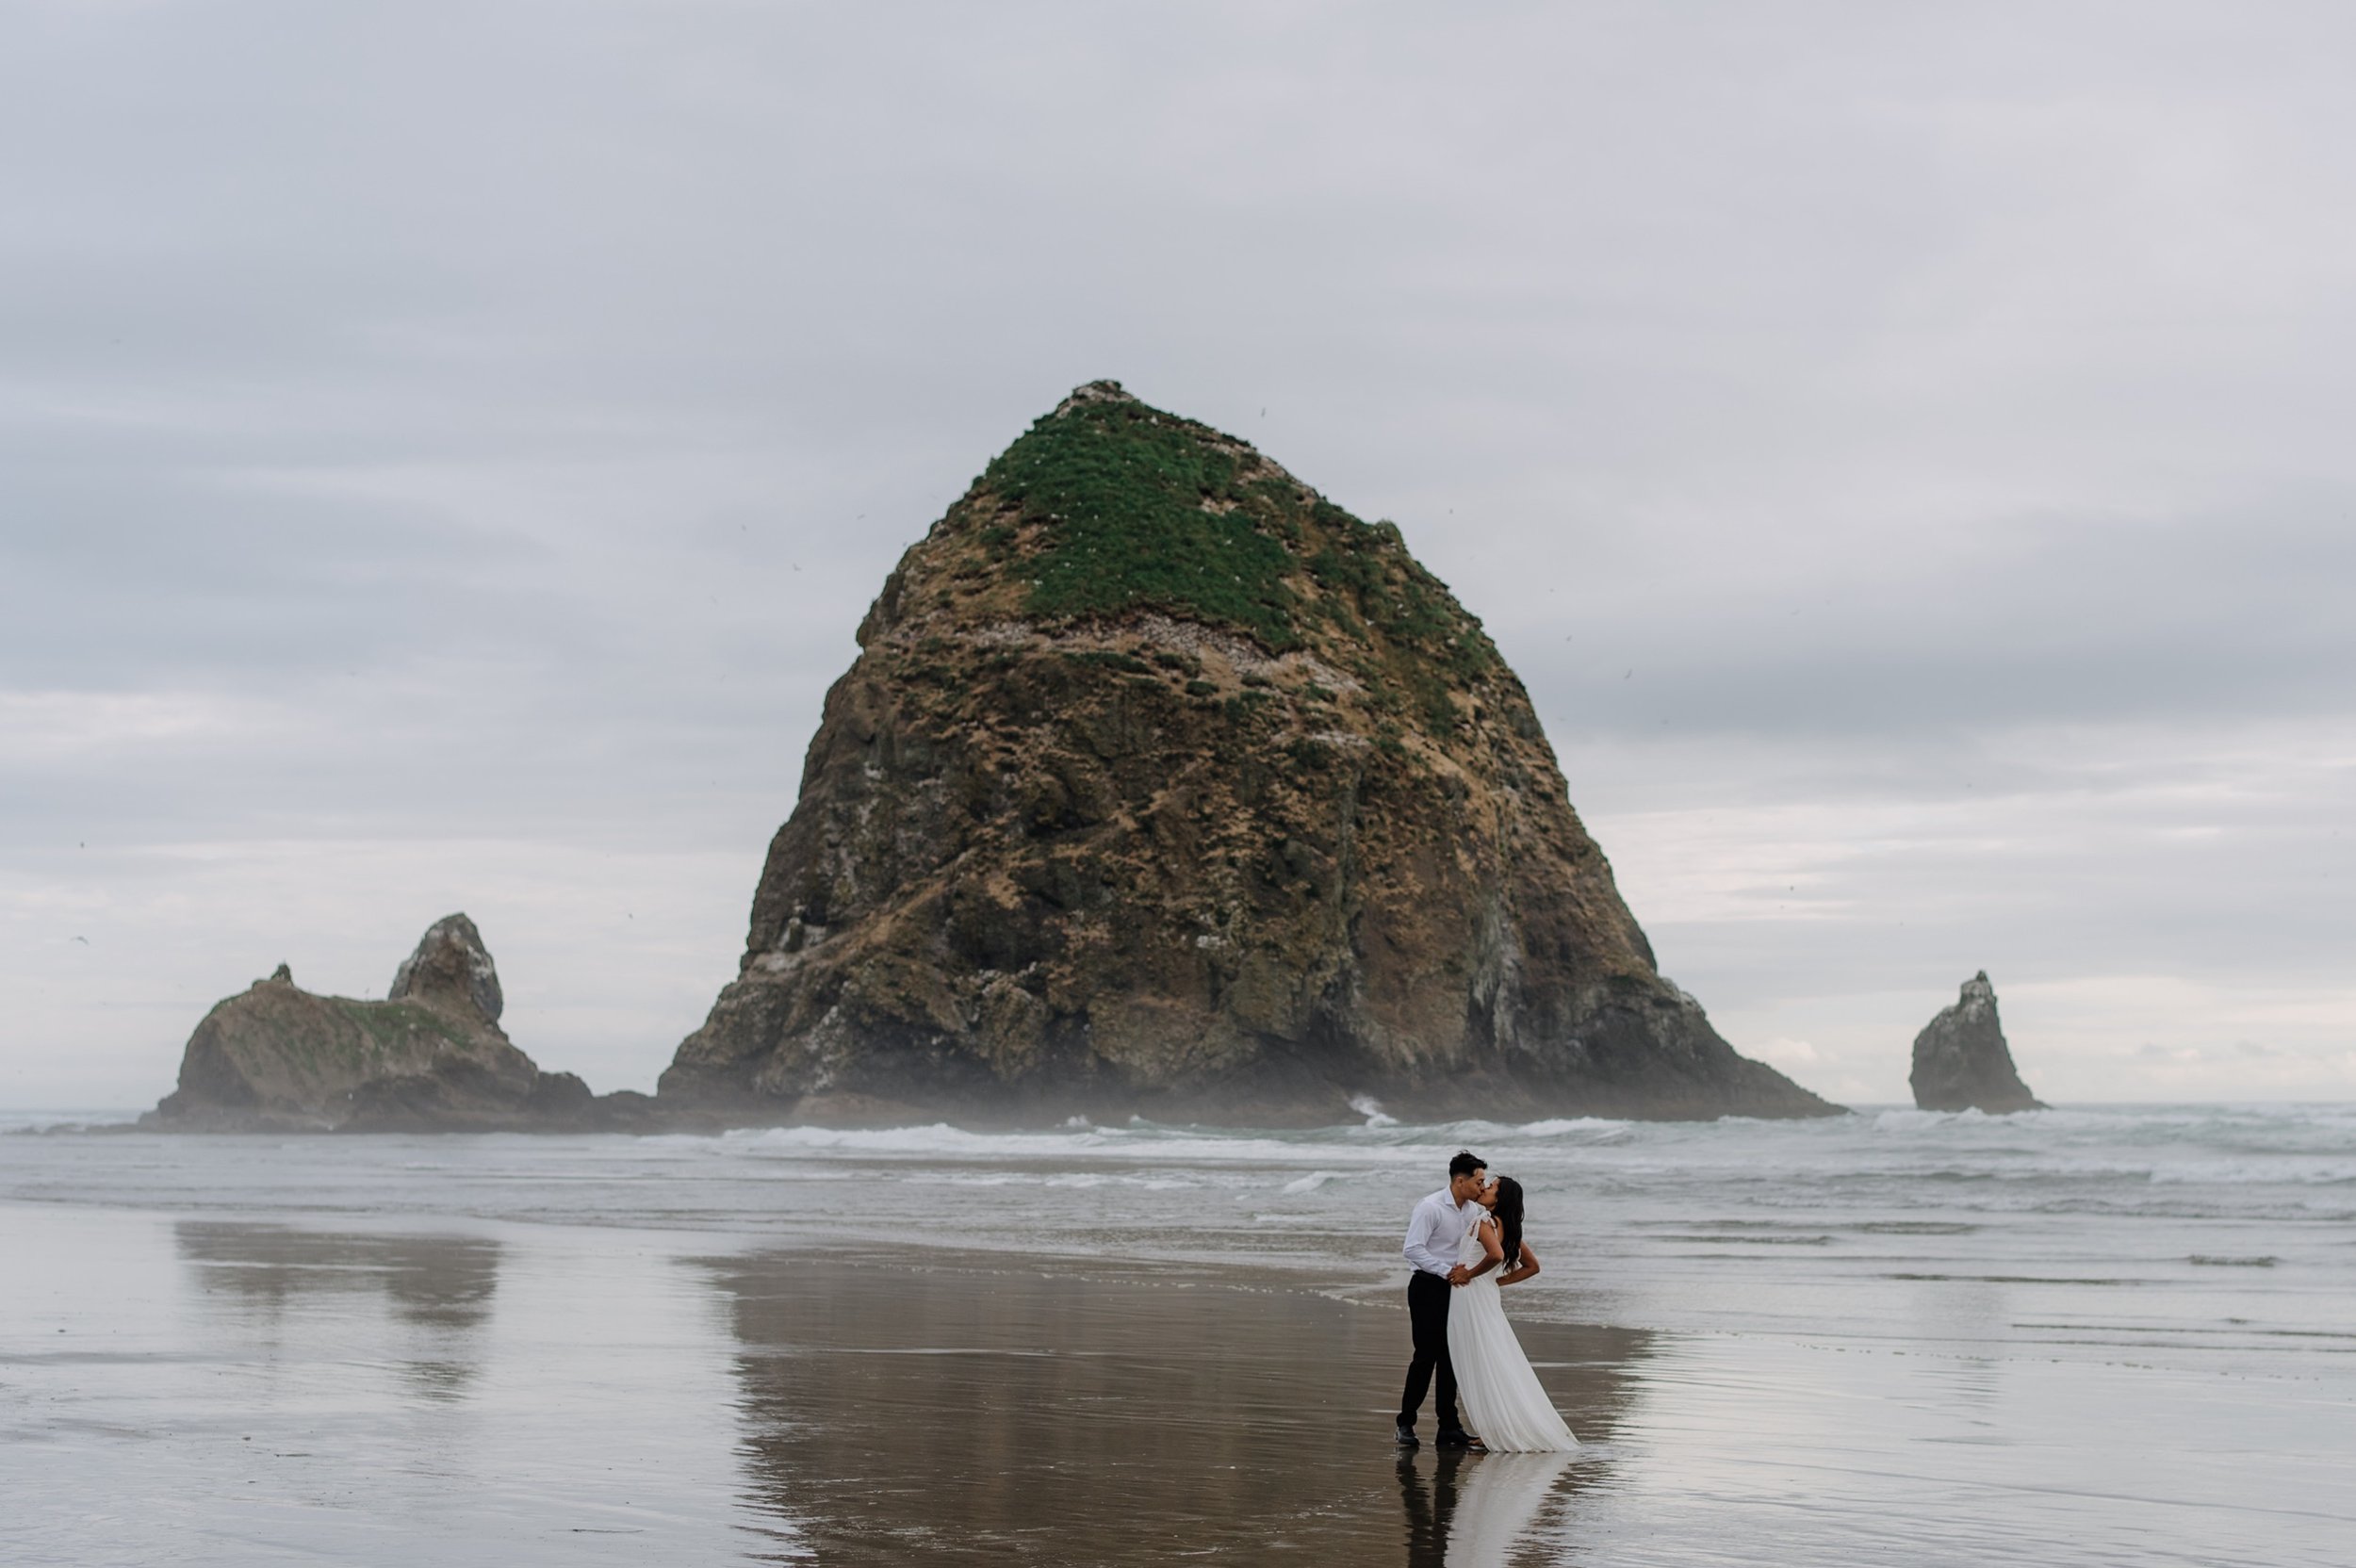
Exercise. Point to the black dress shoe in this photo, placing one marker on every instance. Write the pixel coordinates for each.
(1407, 1436)
(1459, 1438)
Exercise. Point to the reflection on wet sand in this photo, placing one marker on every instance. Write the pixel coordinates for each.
(439, 1286)
(1473, 1510)
(948, 1411)
(217, 1393)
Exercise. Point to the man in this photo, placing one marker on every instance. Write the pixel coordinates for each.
(1437, 1230)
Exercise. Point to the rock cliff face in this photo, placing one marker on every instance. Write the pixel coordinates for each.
(1961, 1062)
(1162, 785)
(430, 1056)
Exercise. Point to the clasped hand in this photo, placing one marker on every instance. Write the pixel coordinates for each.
(1459, 1275)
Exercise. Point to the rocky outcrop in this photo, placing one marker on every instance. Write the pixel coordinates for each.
(1163, 785)
(1961, 1062)
(430, 1056)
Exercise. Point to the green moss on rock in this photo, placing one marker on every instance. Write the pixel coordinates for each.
(1140, 509)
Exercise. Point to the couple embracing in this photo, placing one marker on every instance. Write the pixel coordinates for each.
(1465, 1242)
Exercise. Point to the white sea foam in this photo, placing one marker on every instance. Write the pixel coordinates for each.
(1141, 1141)
(1590, 1127)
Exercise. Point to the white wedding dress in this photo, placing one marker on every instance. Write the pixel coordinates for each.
(1503, 1403)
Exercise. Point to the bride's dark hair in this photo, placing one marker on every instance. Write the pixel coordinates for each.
(1509, 1212)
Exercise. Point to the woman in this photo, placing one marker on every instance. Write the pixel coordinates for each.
(1502, 1399)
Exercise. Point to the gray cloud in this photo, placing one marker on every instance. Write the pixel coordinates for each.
(444, 453)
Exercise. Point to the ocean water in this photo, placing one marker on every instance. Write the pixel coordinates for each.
(2096, 1335)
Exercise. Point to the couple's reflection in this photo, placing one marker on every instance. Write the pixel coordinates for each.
(1470, 1511)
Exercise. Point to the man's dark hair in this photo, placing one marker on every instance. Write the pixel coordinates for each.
(1466, 1163)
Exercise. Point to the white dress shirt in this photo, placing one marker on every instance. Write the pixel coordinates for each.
(1436, 1231)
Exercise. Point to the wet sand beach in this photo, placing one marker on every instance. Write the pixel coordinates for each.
(515, 1352)
(957, 1413)
(352, 1396)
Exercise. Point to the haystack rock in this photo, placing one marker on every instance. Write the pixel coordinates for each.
(1162, 785)
(430, 1056)
(1961, 1062)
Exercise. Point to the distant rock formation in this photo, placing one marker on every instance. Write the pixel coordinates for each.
(430, 1056)
(1961, 1062)
(1163, 785)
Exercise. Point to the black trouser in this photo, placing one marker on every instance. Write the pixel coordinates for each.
(1427, 1319)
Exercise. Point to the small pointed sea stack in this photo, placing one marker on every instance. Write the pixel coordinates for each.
(1162, 785)
(1961, 1062)
(430, 1057)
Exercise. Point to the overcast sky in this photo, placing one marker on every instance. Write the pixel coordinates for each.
(444, 451)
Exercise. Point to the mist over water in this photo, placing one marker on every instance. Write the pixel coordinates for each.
(2092, 1335)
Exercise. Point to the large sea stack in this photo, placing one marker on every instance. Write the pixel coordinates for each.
(1164, 786)
(430, 1056)
(1961, 1062)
